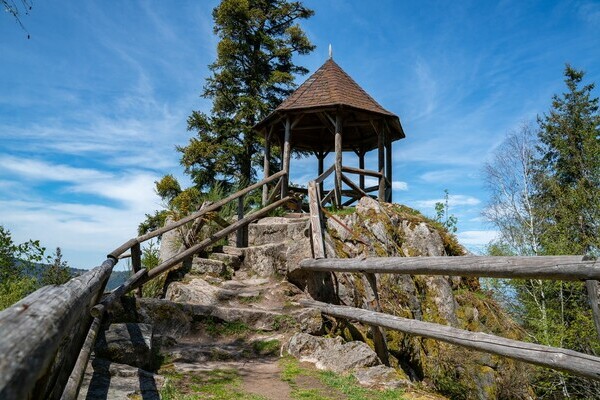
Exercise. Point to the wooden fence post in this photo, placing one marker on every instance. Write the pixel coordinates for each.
(136, 263)
(378, 333)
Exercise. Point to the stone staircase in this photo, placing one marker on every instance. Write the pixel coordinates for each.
(230, 310)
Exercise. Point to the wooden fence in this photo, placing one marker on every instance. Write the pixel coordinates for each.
(570, 268)
(46, 338)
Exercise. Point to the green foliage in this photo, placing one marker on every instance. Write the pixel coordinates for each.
(18, 268)
(555, 210)
(153, 222)
(56, 273)
(568, 172)
(252, 74)
(443, 216)
(151, 259)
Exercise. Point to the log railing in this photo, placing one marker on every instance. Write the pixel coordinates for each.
(570, 268)
(46, 338)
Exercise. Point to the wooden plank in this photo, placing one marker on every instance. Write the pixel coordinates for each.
(568, 268)
(381, 164)
(286, 157)
(593, 291)
(556, 358)
(338, 159)
(325, 174)
(316, 222)
(127, 245)
(388, 164)
(136, 263)
(327, 197)
(275, 192)
(360, 171)
(361, 166)
(39, 335)
(349, 182)
(74, 383)
(379, 340)
(266, 165)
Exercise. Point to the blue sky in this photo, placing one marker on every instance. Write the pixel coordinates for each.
(92, 106)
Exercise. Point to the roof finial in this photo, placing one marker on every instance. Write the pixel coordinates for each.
(330, 52)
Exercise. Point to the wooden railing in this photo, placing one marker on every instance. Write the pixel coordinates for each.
(571, 268)
(46, 338)
(355, 192)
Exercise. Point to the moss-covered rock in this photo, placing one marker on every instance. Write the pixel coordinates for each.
(381, 229)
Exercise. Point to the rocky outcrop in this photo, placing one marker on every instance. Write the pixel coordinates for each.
(381, 229)
(354, 357)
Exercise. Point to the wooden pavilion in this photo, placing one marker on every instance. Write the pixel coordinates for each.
(331, 112)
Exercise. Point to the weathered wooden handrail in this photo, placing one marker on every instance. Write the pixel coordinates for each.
(324, 175)
(41, 335)
(150, 235)
(366, 172)
(568, 268)
(546, 356)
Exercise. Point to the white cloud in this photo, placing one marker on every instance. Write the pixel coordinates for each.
(477, 238)
(44, 171)
(399, 185)
(454, 200)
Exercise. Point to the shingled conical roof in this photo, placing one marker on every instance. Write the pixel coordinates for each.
(330, 85)
(331, 89)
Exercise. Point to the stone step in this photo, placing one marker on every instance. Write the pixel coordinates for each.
(105, 379)
(234, 251)
(206, 266)
(228, 259)
(277, 230)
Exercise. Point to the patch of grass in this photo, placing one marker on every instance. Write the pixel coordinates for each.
(284, 322)
(341, 386)
(266, 347)
(341, 212)
(218, 328)
(220, 384)
(250, 299)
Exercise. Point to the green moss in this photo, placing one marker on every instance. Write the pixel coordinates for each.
(266, 347)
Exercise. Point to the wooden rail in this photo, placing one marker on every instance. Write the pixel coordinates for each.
(546, 356)
(46, 338)
(41, 335)
(567, 268)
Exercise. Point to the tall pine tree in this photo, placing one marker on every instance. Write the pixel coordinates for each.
(252, 74)
(568, 173)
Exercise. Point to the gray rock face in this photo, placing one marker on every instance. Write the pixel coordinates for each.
(331, 353)
(170, 242)
(197, 291)
(128, 343)
(204, 266)
(380, 377)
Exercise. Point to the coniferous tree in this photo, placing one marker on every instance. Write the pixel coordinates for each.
(568, 173)
(252, 74)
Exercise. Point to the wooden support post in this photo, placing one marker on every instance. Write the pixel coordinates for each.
(593, 291)
(240, 237)
(266, 162)
(136, 263)
(286, 158)
(377, 332)
(314, 204)
(338, 159)
(381, 164)
(361, 165)
(320, 159)
(388, 165)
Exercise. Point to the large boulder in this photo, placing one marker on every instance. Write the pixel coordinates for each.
(331, 354)
(128, 343)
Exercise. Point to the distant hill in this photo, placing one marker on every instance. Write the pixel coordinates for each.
(116, 278)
